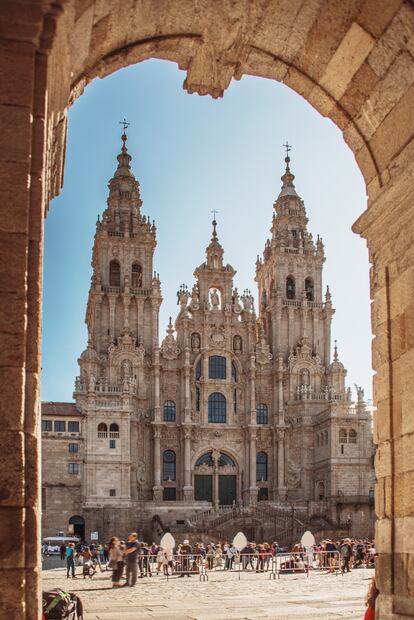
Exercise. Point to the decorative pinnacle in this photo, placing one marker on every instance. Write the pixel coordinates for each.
(214, 222)
(288, 148)
(336, 351)
(125, 124)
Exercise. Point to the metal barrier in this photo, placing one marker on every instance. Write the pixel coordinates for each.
(292, 562)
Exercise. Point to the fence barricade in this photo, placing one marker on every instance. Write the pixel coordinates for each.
(327, 561)
(290, 563)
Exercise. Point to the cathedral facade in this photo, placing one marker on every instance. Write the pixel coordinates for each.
(231, 411)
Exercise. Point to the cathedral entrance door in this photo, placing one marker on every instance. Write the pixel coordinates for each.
(227, 490)
(203, 488)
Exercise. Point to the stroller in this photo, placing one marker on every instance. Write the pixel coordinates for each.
(60, 605)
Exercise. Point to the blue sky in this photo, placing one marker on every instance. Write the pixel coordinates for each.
(193, 154)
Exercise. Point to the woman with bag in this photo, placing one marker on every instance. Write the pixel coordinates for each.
(116, 561)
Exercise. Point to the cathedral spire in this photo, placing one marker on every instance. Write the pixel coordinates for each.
(214, 251)
(288, 187)
(124, 158)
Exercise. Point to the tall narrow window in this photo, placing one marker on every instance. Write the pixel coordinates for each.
(216, 367)
(290, 288)
(114, 273)
(309, 289)
(168, 467)
(262, 416)
(234, 371)
(198, 370)
(261, 466)
(216, 408)
(197, 403)
(234, 401)
(169, 411)
(136, 276)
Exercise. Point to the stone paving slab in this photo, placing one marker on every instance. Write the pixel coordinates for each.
(223, 597)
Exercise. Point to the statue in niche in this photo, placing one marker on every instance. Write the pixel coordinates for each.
(195, 298)
(195, 341)
(215, 299)
(237, 308)
(237, 344)
(126, 370)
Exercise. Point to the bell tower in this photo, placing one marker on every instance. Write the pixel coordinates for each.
(125, 293)
(289, 278)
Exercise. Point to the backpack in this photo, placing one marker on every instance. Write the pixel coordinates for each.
(60, 605)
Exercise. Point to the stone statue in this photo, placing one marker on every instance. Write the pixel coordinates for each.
(195, 298)
(195, 341)
(215, 299)
(360, 393)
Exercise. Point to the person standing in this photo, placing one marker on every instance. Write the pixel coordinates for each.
(131, 559)
(70, 560)
(116, 561)
(345, 550)
(62, 551)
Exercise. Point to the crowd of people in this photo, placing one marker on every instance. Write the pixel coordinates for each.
(137, 558)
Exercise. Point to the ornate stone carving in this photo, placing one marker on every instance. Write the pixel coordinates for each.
(263, 355)
(292, 475)
(169, 347)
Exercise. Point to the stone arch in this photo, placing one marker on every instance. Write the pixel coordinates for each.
(345, 59)
(209, 448)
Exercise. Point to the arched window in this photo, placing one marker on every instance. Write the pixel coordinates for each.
(198, 370)
(113, 431)
(261, 466)
(290, 288)
(262, 416)
(309, 289)
(169, 411)
(114, 273)
(352, 436)
(205, 459)
(235, 401)
(102, 430)
(217, 408)
(343, 436)
(216, 367)
(225, 459)
(197, 403)
(234, 371)
(237, 344)
(136, 275)
(320, 490)
(168, 465)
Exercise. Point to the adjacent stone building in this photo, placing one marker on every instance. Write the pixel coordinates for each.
(243, 412)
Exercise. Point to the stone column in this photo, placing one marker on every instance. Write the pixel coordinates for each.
(253, 490)
(216, 497)
(157, 488)
(157, 404)
(328, 321)
(187, 489)
(187, 392)
(282, 491)
(291, 324)
(112, 301)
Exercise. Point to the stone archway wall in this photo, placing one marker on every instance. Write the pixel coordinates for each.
(353, 61)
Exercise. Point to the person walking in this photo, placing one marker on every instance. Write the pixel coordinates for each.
(131, 559)
(70, 560)
(62, 551)
(116, 561)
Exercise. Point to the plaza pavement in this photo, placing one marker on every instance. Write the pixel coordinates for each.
(254, 597)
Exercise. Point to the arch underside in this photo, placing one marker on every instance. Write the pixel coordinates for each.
(352, 61)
